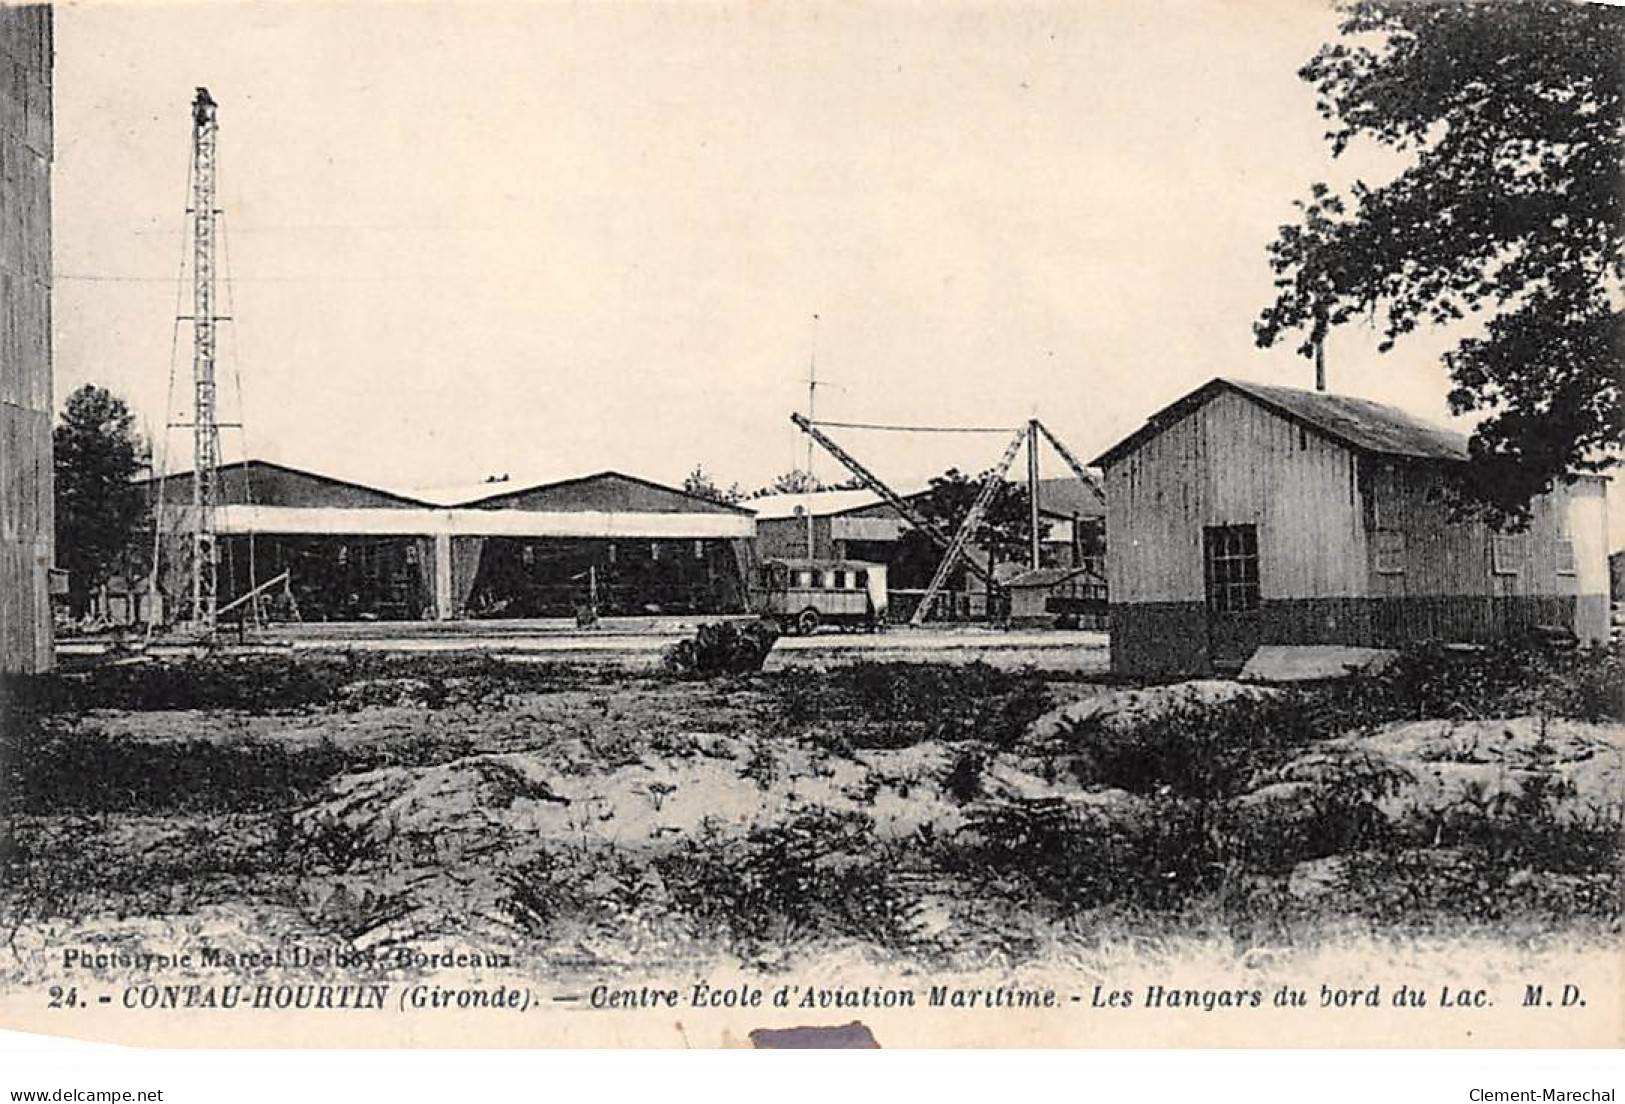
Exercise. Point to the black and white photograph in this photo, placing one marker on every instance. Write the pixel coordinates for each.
(761, 525)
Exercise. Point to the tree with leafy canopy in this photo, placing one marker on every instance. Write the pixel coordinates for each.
(801, 481)
(1002, 536)
(100, 510)
(794, 481)
(702, 484)
(1512, 115)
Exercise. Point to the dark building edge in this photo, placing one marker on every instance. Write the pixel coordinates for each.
(1163, 639)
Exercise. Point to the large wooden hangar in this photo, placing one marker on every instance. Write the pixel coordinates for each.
(1244, 515)
(495, 549)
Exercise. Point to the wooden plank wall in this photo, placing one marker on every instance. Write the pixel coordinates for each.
(1444, 556)
(1234, 463)
(1451, 558)
(26, 514)
(1317, 507)
(786, 538)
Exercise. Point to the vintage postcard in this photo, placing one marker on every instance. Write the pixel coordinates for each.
(861, 524)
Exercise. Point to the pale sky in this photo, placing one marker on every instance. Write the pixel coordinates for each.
(551, 239)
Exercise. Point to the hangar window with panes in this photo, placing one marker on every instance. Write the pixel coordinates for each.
(1230, 557)
(1507, 554)
(1563, 550)
(1390, 548)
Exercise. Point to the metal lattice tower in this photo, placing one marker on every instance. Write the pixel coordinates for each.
(205, 427)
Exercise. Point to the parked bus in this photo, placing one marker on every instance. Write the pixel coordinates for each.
(802, 595)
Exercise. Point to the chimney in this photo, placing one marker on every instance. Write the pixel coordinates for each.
(1321, 329)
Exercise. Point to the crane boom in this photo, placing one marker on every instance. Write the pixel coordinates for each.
(973, 518)
(870, 480)
(1065, 453)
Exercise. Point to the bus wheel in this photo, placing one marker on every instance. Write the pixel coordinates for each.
(807, 623)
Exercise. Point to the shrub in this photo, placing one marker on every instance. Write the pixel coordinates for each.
(329, 842)
(73, 866)
(564, 883)
(820, 872)
(963, 782)
(1337, 811)
(723, 648)
(89, 771)
(541, 892)
(1170, 849)
(1079, 859)
(1202, 750)
(1497, 857)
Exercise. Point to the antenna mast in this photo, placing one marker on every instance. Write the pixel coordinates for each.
(812, 391)
(205, 429)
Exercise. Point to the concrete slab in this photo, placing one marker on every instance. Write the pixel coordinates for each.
(1313, 662)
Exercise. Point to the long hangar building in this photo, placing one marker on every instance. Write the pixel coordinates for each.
(495, 549)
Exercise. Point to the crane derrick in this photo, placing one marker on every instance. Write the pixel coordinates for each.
(954, 547)
(205, 428)
(873, 482)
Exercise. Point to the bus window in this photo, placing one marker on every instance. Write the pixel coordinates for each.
(860, 580)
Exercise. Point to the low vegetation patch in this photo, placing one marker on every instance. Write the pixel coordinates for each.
(1201, 751)
(817, 872)
(1512, 679)
(896, 705)
(1496, 857)
(1253, 813)
(63, 770)
(273, 684)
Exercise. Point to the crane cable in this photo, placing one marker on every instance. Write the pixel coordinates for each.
(912, 429)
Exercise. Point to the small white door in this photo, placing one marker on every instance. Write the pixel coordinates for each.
(876, 578)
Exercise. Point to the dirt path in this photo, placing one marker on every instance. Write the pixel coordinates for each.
(638, 644)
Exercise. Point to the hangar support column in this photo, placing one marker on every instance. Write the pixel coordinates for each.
(443, 607)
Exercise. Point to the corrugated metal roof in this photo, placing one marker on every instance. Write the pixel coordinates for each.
(456, 494)
(1060, 497)
(248, 465)
(624, 493)
(466, 492)
(452, 496)
(816, 503)
(1070, 495)
(1359, 424)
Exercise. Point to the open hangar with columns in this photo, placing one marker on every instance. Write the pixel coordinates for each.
(499, 548)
